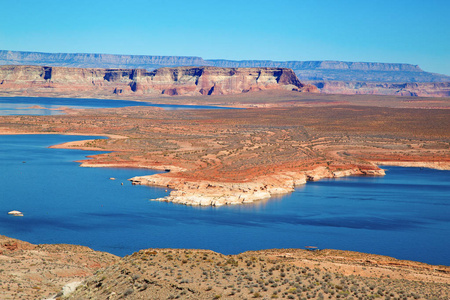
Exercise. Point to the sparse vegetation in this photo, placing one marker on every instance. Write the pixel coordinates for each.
(307, 275)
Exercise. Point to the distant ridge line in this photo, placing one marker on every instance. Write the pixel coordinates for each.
(188, 60)
(312, 65)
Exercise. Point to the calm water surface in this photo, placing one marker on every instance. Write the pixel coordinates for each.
(53, 106)
(405, 214)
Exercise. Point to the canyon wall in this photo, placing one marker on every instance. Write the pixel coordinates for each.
(189, 81)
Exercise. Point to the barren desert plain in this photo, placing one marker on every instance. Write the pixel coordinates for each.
(281, 139)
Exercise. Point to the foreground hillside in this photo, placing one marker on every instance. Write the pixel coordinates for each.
(267, 274)
(52, 271)
(29, 271)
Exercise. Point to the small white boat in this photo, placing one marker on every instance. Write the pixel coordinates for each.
(16, 213)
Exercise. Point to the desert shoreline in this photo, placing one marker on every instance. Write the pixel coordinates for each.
(209, 193)
(215, 193)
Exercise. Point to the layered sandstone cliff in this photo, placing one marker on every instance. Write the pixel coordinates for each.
(169, 81)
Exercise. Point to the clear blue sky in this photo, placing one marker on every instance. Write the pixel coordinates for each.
(400, 31)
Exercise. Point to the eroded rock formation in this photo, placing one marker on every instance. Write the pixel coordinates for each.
(168, 81)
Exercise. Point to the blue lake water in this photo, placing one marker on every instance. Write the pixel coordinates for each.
(405, 214)
(52, 106)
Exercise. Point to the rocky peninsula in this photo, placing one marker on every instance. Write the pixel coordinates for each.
(229, 193)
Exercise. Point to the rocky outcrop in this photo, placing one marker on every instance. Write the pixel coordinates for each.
(229, 193)
(418, 89)
(168, 81)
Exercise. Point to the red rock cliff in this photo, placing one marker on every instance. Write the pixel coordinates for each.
(169, 81)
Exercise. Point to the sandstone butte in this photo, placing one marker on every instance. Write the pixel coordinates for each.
(189, 81)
